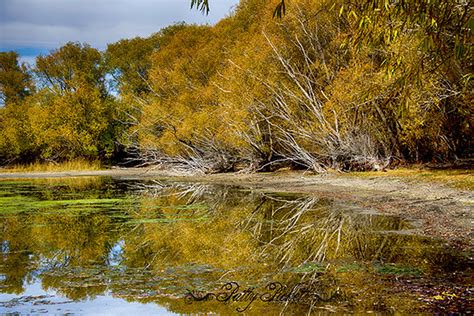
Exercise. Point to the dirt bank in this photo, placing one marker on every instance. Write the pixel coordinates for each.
(436, 209)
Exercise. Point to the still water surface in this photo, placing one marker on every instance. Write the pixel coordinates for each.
(105, 246)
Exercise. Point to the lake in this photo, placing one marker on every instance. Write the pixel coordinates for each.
(105, 246)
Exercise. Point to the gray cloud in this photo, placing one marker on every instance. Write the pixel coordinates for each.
(51, 23)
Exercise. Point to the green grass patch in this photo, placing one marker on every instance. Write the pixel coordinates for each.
(309, 267)
(394, 269)
(19, 204)
(52, 203)
(350, 267)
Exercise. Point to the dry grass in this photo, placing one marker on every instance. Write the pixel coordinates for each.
(72, 165)
(457, 178)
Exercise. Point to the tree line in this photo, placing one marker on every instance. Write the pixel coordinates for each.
(330, 84)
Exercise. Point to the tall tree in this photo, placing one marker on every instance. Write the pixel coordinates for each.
(128, 60)
(15, 81)
(70, 67)
(75, 114)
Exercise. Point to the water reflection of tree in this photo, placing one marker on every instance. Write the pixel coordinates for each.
(290, 230)
(253, 237)
(15, 254)
(179, 236)
(51, 243)
(315, 230)
(37, 243)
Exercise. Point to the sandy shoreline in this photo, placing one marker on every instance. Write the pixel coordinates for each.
(132, 172)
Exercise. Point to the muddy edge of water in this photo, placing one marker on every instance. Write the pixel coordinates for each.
(435, 209)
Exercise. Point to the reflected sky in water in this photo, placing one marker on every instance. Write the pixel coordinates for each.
(56, 304)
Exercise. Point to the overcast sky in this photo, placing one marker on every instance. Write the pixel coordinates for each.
(33, 27)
